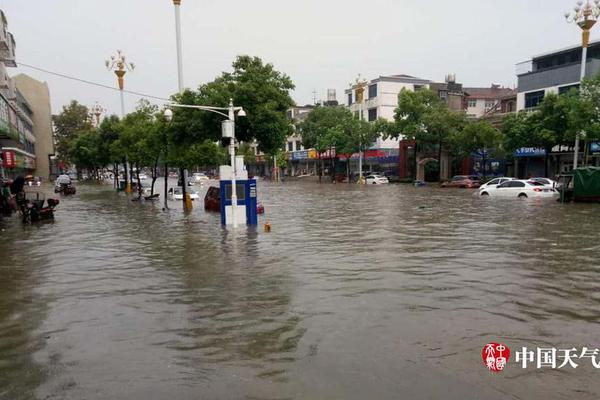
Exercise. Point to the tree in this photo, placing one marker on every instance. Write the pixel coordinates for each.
(423, 117)
(73, 120)
(85, 151)
(261, 90)
(139, 139)
(109, 131)
(478, 136)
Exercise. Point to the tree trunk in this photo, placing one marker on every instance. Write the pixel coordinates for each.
(322, 168)
(126, 171)
(348, 168)
(154, 176)
(183, 185)
(440, 161)
(116, 175)
(546, 162)
(166, 185)
(483, 159)
(139, 184)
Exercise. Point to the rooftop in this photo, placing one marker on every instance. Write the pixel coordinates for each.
(490, 93)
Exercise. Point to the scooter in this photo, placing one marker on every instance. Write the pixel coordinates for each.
(34, 210)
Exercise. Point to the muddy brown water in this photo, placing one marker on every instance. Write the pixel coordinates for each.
(357, 293)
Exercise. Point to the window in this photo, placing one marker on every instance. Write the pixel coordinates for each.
(372, 114)
(298, 145)
(290, 146)
(494, 182)
(350, 98)
(373, 91)
(533, 99)
(567, 89)
(515, 184)
(472, 103)
(489, 104)
(443, 94)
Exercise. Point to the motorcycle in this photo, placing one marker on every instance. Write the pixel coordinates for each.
(33, 209)
(65, 188)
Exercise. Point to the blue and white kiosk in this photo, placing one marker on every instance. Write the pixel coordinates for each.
(245, 213)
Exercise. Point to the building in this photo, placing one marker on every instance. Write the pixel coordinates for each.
(17, 142)
(554, 72)
(480, 102)
(37, 95)
(450, 92)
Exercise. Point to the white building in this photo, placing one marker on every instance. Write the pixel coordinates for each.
(481, 101)
(381, 100)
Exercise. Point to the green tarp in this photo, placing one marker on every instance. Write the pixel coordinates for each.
(586, 182)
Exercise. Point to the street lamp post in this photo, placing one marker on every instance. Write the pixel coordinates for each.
(97, 110)
(585, 16)
(229, 127)
(360, 99)
(120, 66)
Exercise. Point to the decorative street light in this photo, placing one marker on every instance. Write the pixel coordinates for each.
(228, 131)
(585, 16)
(120, 66)
(359, 85)
(97, 110)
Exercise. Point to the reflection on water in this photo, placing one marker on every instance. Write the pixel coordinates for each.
(358, 292)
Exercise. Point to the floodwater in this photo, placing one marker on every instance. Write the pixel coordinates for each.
(380, 292)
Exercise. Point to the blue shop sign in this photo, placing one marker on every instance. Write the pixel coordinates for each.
(530, 152)
(595, 147)
(300, 155)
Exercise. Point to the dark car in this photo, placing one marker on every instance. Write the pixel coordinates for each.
(463, 182)
(212, 201)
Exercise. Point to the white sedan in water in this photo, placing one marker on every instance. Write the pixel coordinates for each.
(376, 179)
(521, 189)
(176, 193)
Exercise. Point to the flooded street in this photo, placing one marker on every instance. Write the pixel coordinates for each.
(357, 293)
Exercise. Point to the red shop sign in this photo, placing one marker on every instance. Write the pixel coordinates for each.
(9, 159)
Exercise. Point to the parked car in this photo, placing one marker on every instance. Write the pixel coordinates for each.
(376, 179)
(495, 182)
(176, 193)
(519, 188)
(212, 201)
(200, 177)
(549, 183)
(463, 182)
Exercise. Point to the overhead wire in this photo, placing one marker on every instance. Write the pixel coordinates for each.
(88, 82)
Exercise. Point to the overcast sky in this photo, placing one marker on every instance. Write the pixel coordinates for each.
(320, 44)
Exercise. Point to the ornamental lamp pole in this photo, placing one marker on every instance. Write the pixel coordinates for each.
(120, 66)
(360, 85)
(97, 110)
(584, 16)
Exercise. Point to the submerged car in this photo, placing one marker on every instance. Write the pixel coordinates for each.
(376, 179)
(212, 201)
(176, 193)
(200, 177)
(462, 182)
(495, 182)
(521, 189)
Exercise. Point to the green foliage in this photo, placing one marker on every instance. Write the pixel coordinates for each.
(85, 150)
(263, 93)
(73, 120)
(477, 135)
(327, 127)
(246, 150)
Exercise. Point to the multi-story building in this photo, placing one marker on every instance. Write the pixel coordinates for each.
(554, 72)
(37, 96)
(480, 102)
(17, 141)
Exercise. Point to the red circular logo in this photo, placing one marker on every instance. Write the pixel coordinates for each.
(495, 356)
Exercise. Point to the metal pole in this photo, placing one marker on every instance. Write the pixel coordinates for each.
(127, 166)
(581, 77)
(177, 4)
(360, 154)
(233, 173)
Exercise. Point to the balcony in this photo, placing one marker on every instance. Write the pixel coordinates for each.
(7, 56)
(567, 74)
(4, 79)
(3, 32)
